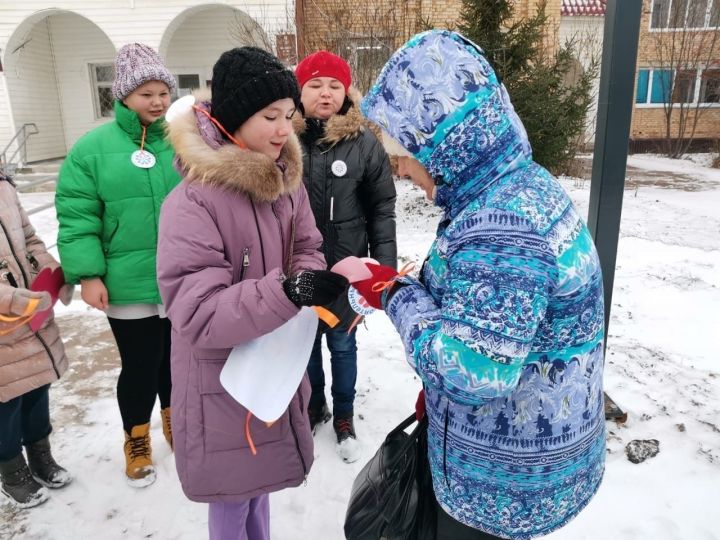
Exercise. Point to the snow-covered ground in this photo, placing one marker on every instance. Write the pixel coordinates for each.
(662, 368)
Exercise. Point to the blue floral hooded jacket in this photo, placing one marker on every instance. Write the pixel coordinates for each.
(505, 326)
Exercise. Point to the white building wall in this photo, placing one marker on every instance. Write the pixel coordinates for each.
(587, 34)
(34, 94)
(198, 42)
(7, 127)
(125, 21)
(77, 43)
(122, 21)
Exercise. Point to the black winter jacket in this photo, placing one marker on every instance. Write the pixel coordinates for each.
(348, 178)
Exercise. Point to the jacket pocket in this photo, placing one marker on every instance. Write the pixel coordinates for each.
(348, 238)
(224, 419)
(109, 233)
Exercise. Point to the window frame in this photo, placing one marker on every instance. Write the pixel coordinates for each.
(95, 86)
(696, 89)
(357, 52)
(703, 79)
(706, 23)
(204, 75)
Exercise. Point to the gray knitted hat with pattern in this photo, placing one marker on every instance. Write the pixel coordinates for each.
(136, 64)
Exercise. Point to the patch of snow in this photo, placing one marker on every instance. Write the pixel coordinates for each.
(661, 367)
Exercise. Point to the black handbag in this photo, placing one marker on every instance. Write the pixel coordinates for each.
(392, 497)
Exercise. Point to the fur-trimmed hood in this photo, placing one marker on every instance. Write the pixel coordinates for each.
(340, 126)
(204, 156)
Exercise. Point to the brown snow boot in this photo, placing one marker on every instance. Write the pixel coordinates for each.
(167, 427)
(139, 467)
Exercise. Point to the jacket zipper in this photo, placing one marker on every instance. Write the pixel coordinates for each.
(445, 438)
(260, 238)
(33, 261)
(282, 237)
(297, 446)
(331, 232)
(324, 186)
(289, 245)
(245, 262)
(47, 350)
(27, 285)
(7, 274)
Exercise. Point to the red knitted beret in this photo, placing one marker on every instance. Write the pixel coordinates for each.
(323, 64)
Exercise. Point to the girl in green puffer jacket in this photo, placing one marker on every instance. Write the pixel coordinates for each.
(108, 200)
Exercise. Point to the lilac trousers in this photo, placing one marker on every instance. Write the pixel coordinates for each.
(247, 520)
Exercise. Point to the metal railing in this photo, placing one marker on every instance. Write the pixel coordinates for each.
(26, 186)
(21, 137)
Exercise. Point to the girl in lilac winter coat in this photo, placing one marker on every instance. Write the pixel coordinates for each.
(238, 255)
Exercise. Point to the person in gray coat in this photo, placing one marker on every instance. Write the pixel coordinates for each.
(348, 178)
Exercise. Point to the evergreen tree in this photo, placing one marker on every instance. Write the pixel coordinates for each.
(553, 108)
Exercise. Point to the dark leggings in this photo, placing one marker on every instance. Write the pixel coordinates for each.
(144, 346)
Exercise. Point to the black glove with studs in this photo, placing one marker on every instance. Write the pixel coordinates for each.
(314, 287)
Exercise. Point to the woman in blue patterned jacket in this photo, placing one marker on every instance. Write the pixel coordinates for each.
(505, 324)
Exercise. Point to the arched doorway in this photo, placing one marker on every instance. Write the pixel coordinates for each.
(194, 40)
(56, 68)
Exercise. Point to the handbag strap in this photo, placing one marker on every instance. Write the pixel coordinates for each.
(402, 426)
(410, 439)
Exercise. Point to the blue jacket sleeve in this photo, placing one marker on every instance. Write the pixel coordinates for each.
(473, 343)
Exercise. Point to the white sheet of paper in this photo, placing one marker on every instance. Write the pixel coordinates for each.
(264, 373)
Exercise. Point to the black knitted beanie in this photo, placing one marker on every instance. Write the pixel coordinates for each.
(246, 80)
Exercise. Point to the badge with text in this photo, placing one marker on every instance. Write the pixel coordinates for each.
(358, 304)
(338, 167)
(142, 159)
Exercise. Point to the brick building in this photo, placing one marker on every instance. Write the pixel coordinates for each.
(678, 62)
(367, 32)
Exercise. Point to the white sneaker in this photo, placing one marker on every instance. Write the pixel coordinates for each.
(349, 450)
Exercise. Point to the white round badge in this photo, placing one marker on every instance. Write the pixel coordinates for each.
(358, 304)
(142, 159)
(338, 167)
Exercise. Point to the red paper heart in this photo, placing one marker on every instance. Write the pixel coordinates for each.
(380, 273)
(50, 281)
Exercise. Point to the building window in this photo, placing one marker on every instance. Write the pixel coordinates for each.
(653, 86)
(366, 57)
(101, 79)
(684, 87)
(685, 14)
(710, 86)
(186, 84)
(656, 86)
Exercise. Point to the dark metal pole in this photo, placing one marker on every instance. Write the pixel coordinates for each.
(615, 102)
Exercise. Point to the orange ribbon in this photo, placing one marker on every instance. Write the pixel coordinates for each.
(248, 436)
(327, 316)
(381, 286)
(220, 127)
